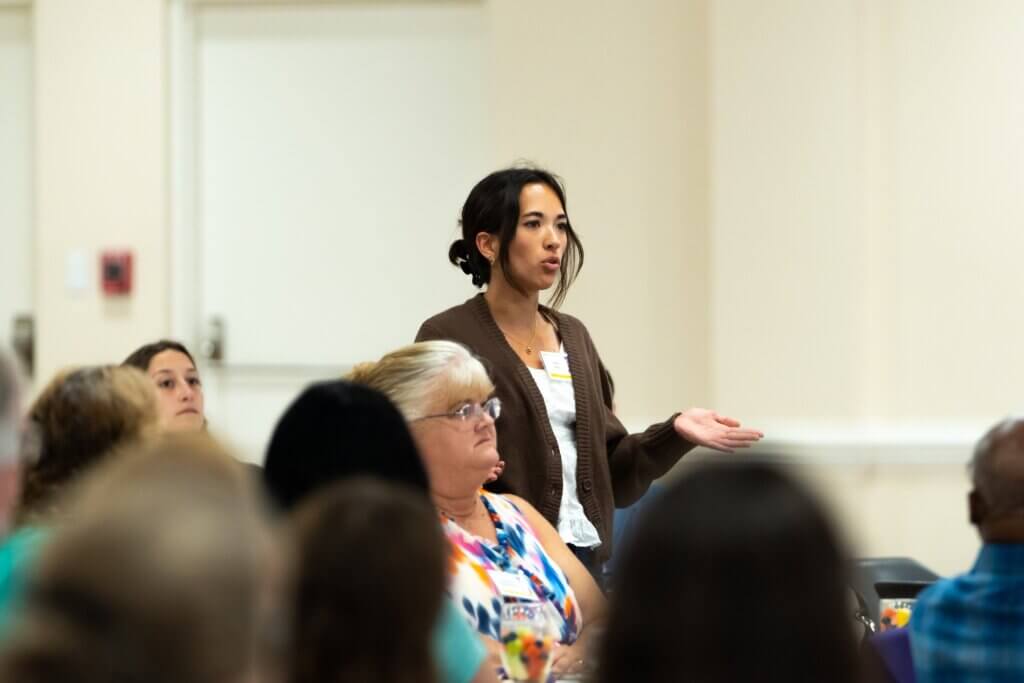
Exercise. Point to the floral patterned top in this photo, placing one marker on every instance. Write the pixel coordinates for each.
(474, 561)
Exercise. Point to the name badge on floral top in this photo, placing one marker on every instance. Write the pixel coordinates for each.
(513, 585)
(556, 364)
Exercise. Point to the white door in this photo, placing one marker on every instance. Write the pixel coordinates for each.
(334, 146)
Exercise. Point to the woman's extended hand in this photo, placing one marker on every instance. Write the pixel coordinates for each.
(711, 430)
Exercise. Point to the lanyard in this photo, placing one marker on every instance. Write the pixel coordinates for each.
(504, 561)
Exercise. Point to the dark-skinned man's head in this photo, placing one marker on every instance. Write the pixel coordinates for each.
(997, 471)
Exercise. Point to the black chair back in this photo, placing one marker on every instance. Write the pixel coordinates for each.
(876, 578)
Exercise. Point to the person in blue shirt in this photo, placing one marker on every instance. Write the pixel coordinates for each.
(971, 627)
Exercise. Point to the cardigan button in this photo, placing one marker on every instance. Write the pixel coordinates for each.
(587, 485)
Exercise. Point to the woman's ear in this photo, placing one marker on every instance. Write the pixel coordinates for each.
(487, 245)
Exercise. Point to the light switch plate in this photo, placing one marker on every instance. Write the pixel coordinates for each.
(77, 272)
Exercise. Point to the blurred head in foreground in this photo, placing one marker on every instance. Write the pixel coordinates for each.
(371, 554)
(164, 571)
(334, 431)
(370, 581)
(79, 419)
(735, 574)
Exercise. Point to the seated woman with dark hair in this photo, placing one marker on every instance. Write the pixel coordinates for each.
(334, 432)
(179, 390)
(503, 549)
(735, 574)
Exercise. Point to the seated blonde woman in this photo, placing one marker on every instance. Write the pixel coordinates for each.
(502, 548)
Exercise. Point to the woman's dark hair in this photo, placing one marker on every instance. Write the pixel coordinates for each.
(735, 574)
(493, 207)
(336, 430)
(369, 586)
(141, 357)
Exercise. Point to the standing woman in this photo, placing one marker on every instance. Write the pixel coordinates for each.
(565, 451)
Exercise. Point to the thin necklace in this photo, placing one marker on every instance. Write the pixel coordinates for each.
(528, 348)
(455, 518)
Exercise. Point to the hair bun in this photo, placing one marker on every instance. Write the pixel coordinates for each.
(458, 252)
(460, 255)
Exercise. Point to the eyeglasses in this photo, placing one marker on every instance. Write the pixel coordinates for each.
(471, 411)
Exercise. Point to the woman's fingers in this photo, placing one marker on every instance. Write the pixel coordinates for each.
(725, 420)
(744, 435)
(734, 439)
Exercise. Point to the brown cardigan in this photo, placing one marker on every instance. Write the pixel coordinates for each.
(614, 468)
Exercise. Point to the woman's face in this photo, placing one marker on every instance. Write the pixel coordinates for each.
(179, 391)
(535, 254)
(458, 454)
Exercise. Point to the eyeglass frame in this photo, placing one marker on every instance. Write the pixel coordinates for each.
(469, 411)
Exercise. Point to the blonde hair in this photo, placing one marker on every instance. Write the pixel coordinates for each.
(421, 376)
(80, 417)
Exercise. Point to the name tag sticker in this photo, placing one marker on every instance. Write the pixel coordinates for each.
(513, 585)
(556, 364)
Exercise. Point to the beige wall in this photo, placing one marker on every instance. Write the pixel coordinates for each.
(100, 173)
(955, 160)
(786, 241)
(866, 157)
(15, 165)
(894, 509)
(613, 97)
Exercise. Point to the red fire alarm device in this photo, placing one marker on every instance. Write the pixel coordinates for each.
(116, 272)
